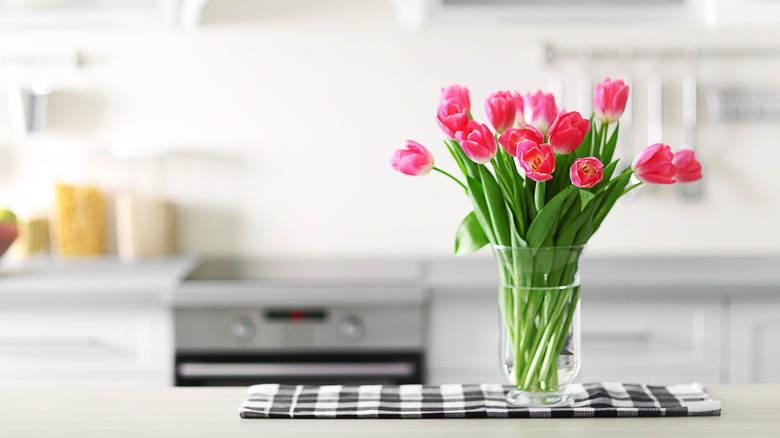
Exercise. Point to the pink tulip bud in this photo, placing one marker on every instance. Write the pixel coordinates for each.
(478, 142)
(654, 165)
(586, 172)
(415, 160)
(452, 118)
(538, 160)
(609, 100)
(500, 110)
(512, 137)
(688, 167)
(457, 92)
(539, 110)
(567, 132)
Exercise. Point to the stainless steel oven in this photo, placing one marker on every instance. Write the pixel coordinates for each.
(316, 322)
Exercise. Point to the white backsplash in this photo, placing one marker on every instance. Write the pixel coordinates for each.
(280, 120)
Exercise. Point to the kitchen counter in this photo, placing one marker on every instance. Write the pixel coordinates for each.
(748, 411)
(668, 275)
(93, 280)
(160, 280)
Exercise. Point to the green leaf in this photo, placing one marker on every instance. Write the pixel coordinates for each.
(477, 195)
(585, 232)
(570, 228)
(585, 197)
(609, 148)
(583, 150)
(517, 240)
(586, 141)
(511, 202)
(612, 194)
(561, 177)
(595, 141)
(609, 169)
(568, 216)
(470, 236)
(523, 208)
(456, 157)
(496, 206)
(463, 160)
(548, 218)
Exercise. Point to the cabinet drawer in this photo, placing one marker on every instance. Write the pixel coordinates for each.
(658, 340)
(85, 346)
(754, 346)
(464, 333)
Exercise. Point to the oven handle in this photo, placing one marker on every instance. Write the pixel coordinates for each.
(397, 369)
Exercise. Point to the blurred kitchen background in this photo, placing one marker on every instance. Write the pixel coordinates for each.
(257, 129)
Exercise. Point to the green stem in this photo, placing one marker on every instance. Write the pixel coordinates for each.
(539, 195)
(453, 178)
(631, 188)
(502, 178)
(558, 334)
(458, 159)
(617, 178)
(542, 346)
(529, 332)
(604, 136)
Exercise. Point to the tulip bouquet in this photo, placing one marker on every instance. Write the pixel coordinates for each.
(550, 184)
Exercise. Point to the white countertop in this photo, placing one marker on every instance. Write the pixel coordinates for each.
(48, 280)
(159, 280)
(748, 411)
(709, 275)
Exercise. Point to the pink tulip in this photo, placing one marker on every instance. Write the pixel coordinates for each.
(609, 100)
(500, 109)
(688, 167)
(458, 93)
(415, 160)
(452, 118)
(654, 165)
(512, 137)
(539, 110)
(519, 105)
(478, 142)
(586, 172)
(538, 160)
(567, 131)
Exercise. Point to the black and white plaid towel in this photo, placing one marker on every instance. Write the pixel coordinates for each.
(470, 401)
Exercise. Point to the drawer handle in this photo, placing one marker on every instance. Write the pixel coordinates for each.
(295, 369)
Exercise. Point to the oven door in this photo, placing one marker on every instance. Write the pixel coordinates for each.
(351, 368)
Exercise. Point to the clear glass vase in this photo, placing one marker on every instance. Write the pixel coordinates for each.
(539, 295)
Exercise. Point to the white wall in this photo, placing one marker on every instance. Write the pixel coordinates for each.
(283, 115)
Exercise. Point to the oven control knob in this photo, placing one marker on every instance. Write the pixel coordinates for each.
(351, 328)
(242, 328)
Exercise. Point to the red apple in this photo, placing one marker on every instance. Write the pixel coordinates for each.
(8, 229)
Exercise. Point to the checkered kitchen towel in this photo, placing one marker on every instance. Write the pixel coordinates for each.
(470, 401)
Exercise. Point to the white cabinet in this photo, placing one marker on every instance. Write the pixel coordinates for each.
(645, 340)
(91, 322)
(652, 320)
(85, 345)
(755, 340)
(656, 340)
(462, 344)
